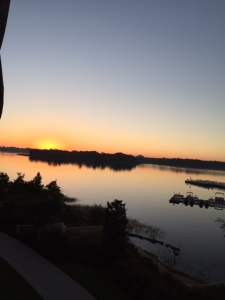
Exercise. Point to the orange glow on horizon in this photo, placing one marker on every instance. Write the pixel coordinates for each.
(157, 150)
(48, 143)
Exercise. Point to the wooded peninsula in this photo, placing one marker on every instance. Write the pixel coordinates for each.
(117, 161)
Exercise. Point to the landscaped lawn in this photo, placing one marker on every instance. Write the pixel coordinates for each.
(13, 286)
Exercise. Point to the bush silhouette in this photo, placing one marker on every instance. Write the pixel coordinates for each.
(114, 229)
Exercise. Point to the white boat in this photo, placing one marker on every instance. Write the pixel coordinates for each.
(219, 197)
(177, 198)
(189, 196)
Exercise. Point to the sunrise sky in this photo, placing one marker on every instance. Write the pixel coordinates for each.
(134, 76)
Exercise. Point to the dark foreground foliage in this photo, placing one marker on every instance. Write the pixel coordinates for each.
(136, 275)
(29, 202)
(114, 230)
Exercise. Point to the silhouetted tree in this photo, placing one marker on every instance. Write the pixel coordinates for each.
(19, 181)
(54, 189)
(4, 179)
(114, 229)
(35, 185)
(37, 180)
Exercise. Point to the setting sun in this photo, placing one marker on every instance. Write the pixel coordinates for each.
(48, 144)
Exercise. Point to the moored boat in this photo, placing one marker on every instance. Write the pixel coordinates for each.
(189, 196)
(219, 197)
(177, 198)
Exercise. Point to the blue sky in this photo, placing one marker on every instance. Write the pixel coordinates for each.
(140, 77)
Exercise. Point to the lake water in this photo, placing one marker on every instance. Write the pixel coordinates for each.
(146, 190)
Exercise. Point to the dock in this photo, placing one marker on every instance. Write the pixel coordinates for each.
(208, 184)
(217, 203)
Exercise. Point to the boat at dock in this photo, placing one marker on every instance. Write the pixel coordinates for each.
(218, 202)
(189, 195)
(219, 197)
(177, 198)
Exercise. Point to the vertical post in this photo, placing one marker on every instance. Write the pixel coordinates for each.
(4, 10)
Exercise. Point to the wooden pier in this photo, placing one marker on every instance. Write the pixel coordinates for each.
(206, 183)
(218, 202)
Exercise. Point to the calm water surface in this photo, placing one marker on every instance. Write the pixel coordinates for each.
(146, 190)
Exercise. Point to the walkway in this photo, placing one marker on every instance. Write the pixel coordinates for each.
(50, 282)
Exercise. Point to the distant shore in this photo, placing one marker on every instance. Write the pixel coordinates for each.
(183, 163)
(117, 161)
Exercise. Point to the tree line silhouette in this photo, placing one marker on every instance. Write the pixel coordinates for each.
(117, 161)
(183, 163)
(15, 150)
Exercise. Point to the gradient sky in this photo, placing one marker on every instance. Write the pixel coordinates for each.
(140, 77)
